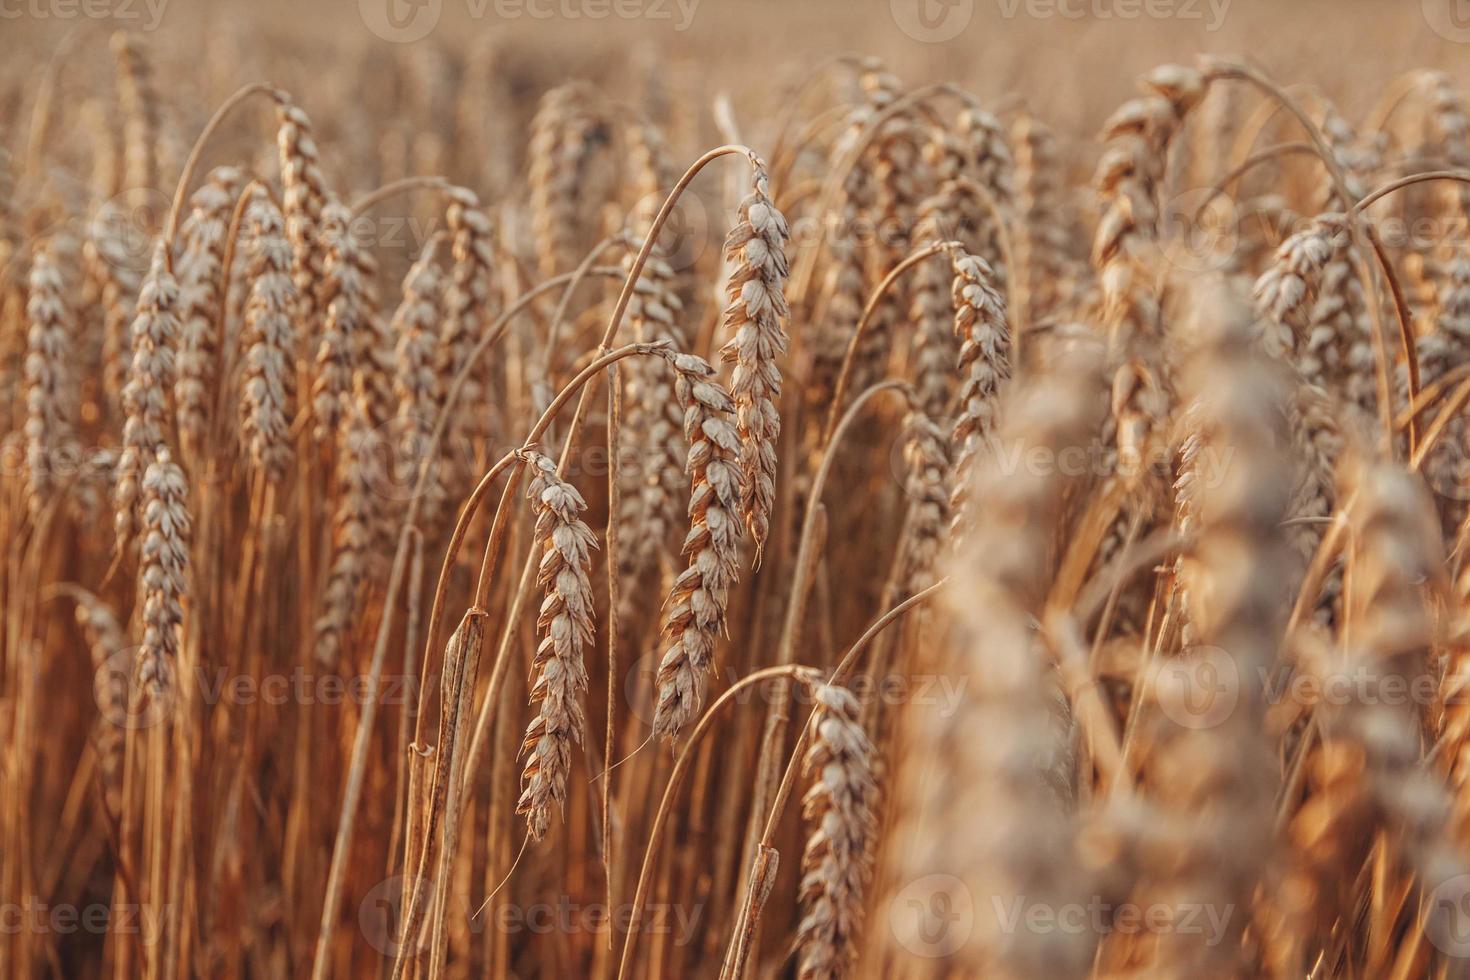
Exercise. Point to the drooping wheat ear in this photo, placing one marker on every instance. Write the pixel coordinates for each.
(201, 281)
(358, 476)
(1128, 179)
(349, 337)
(654, 478)
(984, 367)
(163, 570)
(928, 484)
(155, 334)
(1215, 789)
(105, 639)
(839, 853)
(110, 269)
(1287, 291)
(50, 344)
(140, 108)
(566, 619)
(269, 343)
(756, 250)
(1041, 239)
(304, 194)
(995, 815)
(696, 605)
(417, 383)
(467, 308)
(560, 143)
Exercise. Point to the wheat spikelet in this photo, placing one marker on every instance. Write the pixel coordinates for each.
(654, 482)
(560, 143)
(756, 247)
(466, 310)
(566, 618)
(696, 605)
(1041, 233)
(268, 340)
(984, 366)
(304, 194)
(349, 337)
(105, 639)
(140, 105)
(145, 398)
(52, 333)
(417, 383)
(353, 527)
(109, 267)
(1128, 176)
(201, 282)
(162, 570)
(838, 857)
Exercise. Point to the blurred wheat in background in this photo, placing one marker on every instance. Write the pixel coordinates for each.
(695, 489)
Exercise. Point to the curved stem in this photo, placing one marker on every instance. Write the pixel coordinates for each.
(850, 357)
(655, 834)
(191, 163)
(1250, 163)
(1462, 176)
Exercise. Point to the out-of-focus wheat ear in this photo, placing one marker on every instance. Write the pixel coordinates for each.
(1128, 179)
(163, 571)
(566, 620)
(417, 385)
(756, 249)
(106, 639)
(995, 813)
(838, 859)
(109, 265)
(468, 306)
(359, 480)
(697, 602)
(349, 290)
(984, 368)
(269, 343)
(928, 484)
(1040, 245)
(559, 145)
(13, 326)
(1214, 786)
(201, 281)
(140, 107)
(151, 373)
(304, 194)
(653, 478)
(51, 341)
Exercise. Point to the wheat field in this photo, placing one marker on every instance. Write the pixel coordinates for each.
(678, 489)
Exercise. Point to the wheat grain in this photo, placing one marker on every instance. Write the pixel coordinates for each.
(566, 619)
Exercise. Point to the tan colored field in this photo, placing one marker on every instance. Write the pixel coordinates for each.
(698, 489)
